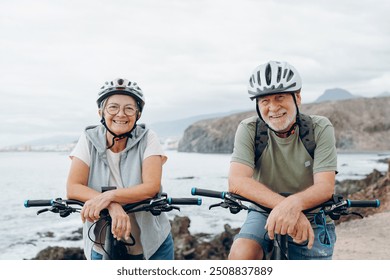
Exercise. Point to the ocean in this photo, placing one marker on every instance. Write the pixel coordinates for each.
(42, 175)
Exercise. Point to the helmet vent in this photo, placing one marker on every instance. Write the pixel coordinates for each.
(290, 75)
(140, 92)
(120, 82)
(268, 74)
(279, 74)
(284, 73)
(258, 78)
(251, 82)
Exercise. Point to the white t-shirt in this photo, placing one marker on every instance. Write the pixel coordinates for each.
(153, 147)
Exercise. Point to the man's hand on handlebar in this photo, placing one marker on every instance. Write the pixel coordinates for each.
(283, 217)
(303, 231)
(287, 218)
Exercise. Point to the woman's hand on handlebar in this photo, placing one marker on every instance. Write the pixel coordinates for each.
(120, 221)
(92, 207)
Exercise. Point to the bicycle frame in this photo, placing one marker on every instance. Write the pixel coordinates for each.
(334, 208)
(280, 248)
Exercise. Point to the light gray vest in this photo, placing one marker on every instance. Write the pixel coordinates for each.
(154, 229)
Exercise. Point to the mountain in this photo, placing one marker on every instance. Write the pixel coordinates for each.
(53, 140)
(176, 128)
(384, 94)
(335, 94)
(361, 124)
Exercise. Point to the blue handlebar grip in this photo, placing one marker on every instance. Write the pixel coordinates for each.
(363, 203)
(38, 203)
(185, 201)
(208, 193)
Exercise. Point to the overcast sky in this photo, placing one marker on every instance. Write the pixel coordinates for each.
(190, 57)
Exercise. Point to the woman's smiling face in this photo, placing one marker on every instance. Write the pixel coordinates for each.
(122, 120)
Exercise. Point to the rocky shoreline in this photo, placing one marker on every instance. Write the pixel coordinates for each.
(216, 247)
(187, 246)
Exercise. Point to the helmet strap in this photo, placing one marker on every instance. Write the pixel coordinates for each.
(296, 104)
(116, 136)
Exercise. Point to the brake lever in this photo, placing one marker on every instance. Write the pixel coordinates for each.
(234, 205)
(221, 204)
(356, 213)
(171, 208)
(66, 212)
(42, 211)
(235, 202)
(337, 210)
(156, 210)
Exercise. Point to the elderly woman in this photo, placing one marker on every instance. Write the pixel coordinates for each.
(128, 156)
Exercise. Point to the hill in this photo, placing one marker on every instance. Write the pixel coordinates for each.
(335, 94)
(384, 94)
(176, 128)
(361, 124)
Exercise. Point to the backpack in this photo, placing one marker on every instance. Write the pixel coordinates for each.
(306, 134)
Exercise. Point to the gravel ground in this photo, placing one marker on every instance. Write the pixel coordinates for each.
(364, 239)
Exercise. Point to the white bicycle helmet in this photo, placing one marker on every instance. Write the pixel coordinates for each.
(273, 77)
(121, 86)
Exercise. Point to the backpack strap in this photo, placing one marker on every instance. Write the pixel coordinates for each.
(306, 133)
(261, 138)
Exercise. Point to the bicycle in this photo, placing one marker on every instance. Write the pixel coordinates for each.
(113, 248)
(334, 208)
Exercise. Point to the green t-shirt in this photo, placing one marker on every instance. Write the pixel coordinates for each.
(285, 165)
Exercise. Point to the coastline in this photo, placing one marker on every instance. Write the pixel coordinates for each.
(357, 239)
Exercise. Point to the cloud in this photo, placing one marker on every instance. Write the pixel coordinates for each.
(189, 57)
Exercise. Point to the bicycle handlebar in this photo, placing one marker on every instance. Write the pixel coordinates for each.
(337, 204)
(224, 195)
(132, 207)
(50, 202)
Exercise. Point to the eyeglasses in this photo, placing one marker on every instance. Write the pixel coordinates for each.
(114, 108)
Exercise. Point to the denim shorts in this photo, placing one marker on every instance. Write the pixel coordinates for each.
(253, 228)
(164, 252)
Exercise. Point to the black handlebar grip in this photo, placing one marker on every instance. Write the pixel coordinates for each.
(363, 203)
(38, 203)
(185, 201)
(208, 193)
